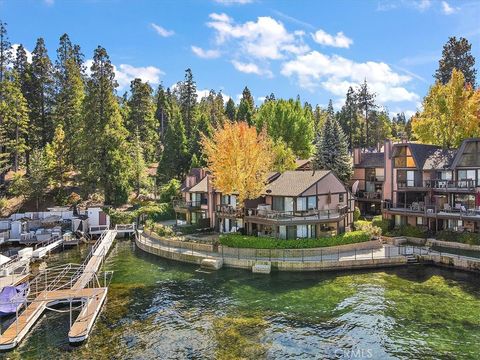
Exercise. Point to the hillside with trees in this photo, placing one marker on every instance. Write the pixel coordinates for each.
(66, 133)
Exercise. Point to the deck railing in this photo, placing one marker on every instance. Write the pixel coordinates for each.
(369, 195)
(186, 204)
(313, 214)
(228, 210)
(450, 184)
(420, 208)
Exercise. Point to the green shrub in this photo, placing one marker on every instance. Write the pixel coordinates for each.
(253, 242)
(464, 238)
(368, 227)
(170, 191)
(409, 231)
(356, 214)
(383, 224)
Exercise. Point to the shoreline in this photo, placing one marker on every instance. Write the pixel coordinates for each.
(387, 256)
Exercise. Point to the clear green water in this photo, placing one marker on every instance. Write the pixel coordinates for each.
(158, 309)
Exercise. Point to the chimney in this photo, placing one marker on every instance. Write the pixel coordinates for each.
(357, 156)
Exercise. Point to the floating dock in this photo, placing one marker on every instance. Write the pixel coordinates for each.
(71, 284)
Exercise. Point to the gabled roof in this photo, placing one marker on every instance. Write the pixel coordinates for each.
(372, 160)
(420, 152)
(440, 159)
(461, 150)
(294, 183)
(201, 186)
(195, 172)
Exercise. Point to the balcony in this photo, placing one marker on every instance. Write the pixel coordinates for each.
(295, 217)
(410, 185)
(451, 185)
(375, 178)
(369, 196)
(458, 211)
(228, 211)
(182, 205)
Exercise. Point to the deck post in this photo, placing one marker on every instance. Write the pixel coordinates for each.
(70, 312)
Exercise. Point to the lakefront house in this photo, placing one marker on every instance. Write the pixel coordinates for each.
(294, 204)
(435, 188)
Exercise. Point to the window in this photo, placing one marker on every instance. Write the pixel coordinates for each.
(445, 175)
(301, 204)
(291, 232)
(282, 232)
(370, 174)
(405, 178)
(312, 202)
(420, 220)
(341, 197)
(403, 158)
(196, 199)
(471, 155)
(305, 231)
(278, 204)
(289, 204)
(468, 175)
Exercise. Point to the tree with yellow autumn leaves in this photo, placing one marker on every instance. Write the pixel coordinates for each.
(451, 113)
(239, 159)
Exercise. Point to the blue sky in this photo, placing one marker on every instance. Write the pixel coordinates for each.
(315, 49)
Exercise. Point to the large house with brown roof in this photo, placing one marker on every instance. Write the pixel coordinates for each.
(435, 188)
(295, 204)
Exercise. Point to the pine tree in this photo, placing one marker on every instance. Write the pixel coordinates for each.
(5, 51)
(5, 59)
(202, 128)
(456, 54)
(14, 112)
(38, 177)
(139, 167)
(70, 92)
(174, 161)
(366, 102)
(332, 150)
(106, 162)
(246, 108)
(187, 98)
(41, 120)
(56, 158)
(348, 119)
(161, 113)
(230, 110)
(141, 119)
(22, 69)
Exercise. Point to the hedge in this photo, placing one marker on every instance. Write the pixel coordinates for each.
(253, 242)
(409, 231)
(464, 238)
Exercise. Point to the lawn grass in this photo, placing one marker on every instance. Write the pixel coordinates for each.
(254, 242)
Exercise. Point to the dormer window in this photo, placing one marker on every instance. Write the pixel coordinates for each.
(403, 158)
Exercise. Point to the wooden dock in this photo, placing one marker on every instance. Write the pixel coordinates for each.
(70, 284)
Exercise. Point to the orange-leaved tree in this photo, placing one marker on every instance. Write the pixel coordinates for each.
(239, 159)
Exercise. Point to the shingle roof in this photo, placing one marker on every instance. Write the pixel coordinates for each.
(293, 183)
(439, 159)
(201, 186)
(372, 160)
(302, 163)
(421, 152)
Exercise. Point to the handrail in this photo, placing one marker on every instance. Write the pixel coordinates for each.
(305, 214)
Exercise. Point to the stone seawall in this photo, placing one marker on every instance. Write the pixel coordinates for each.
(452, 245)
(462, 263)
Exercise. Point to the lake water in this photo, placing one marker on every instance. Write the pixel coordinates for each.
(159, 309)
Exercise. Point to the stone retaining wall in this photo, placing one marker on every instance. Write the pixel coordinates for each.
(296, 253)
(452, 245)
(183, 257)
(178, 243)
(462, 263)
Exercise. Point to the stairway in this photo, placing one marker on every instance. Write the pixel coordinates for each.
(412, 259)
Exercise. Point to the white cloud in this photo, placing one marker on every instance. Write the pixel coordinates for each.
(422, 4)
(161, 30)
(251, 68)
(447, 9)
(338, 40)
(265, 38)
(29, 54)
(125, 73)
(232, 2)
(335, 74)
(205, 54)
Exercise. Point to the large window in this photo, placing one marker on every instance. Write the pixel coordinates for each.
(471, 155)
(278, 204)
(470, 174)
(405, 178)
(229, 200)
(306, 203)
(305, 231)
(403, 158)
(370, 174)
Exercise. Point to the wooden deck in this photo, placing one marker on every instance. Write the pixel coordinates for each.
(93, 299)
